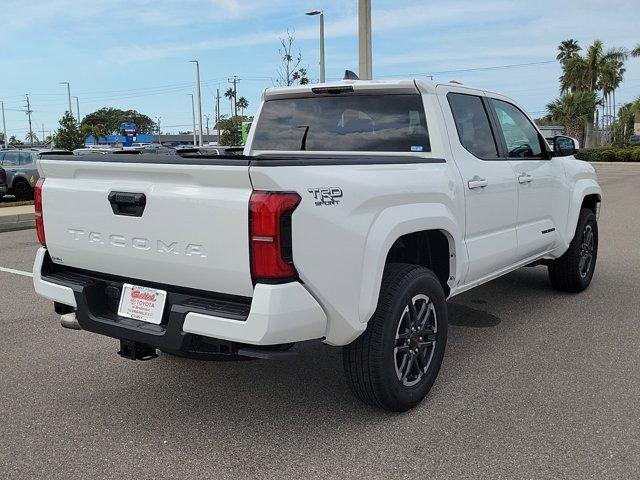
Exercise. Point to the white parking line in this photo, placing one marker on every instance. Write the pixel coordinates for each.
(16, 272)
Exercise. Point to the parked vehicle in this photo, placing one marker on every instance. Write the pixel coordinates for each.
(22, 173)
(356, 211)
(211, 150)
(91, 151)
(3, 183)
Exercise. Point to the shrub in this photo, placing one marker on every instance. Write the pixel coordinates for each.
(609, 154)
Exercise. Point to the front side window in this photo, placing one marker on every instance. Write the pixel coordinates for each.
(472, 123)
(520, 136)
(356, 123)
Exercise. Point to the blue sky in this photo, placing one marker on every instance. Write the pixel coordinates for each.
(134, 55)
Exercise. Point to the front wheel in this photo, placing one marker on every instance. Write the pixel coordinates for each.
(395, 362)
(573, 271)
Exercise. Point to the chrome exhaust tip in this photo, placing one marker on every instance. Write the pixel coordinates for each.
(69, 320)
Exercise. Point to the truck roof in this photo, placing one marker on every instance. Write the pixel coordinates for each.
(369, 86)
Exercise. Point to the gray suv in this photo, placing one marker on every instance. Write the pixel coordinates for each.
(21, 170)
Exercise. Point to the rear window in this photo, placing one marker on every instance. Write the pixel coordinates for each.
(361, 123)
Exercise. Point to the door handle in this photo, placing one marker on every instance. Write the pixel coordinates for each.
(477, 182)
(127, 204)
(525, 178)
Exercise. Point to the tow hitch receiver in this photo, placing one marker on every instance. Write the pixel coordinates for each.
(136, 350)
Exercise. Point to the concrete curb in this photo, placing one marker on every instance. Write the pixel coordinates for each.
(21, 221)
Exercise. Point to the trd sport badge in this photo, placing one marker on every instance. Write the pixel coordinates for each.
(326, 195)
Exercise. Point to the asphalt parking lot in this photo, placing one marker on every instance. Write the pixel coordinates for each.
(535, 384)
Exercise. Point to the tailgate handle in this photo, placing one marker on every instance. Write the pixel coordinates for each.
(127, 203)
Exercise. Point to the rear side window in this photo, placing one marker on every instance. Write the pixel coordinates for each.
(359, 123)
(11, 159)
(472, 123)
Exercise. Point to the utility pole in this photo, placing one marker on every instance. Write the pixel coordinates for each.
(199, 99)
(207, 118)
(217, 113)
(235, 82)
(4, 128)
(159, 131)
(29, 112)
(364, 39)
(68, 96)
(77, 109)
(193, 114)
(42, 139)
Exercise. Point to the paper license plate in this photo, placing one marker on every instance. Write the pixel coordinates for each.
(142, 303)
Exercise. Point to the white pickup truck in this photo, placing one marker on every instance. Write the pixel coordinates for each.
(356, 211)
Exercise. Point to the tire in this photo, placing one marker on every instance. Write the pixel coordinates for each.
(374, 363)
(573, 271)
(22, 190)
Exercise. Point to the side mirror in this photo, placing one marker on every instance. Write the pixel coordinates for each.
(564, 146)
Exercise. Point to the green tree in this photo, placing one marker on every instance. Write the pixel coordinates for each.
(31, 138)
(635, 52)
(242, 103)
(290, 71)
(573, 110)
(111, 118)
(622, 128)
(68, 135)
(14, 141)
(567, 49)
(231, 131)
(231, 95)
(598, 71)
(96, 131)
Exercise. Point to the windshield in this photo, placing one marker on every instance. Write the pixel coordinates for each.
(364, 123)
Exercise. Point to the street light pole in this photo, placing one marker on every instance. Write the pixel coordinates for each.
(77, 108)
(322, 65)
(193, 114)
(199, 99)
(364, 39)
(159, 130)
(68, 96)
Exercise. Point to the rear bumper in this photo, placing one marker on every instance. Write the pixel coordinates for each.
(275, 314)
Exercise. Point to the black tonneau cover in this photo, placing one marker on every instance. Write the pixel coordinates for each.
(263, 160)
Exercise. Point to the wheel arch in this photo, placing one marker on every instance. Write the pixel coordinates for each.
(402, 226)
(586, 194)
(19, 177)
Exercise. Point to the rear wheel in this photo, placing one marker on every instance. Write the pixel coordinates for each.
(573, 271)
(22, 190)
(394, 363)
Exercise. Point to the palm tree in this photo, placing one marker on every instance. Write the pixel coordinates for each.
(583, 73)
(611, 77)
(31, 138)
(231, 95)
(636, 51)
(242, 103)
(567, 49)
(595, 72)
(574, 111)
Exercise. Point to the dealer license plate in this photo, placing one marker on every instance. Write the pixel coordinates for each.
(142, 303)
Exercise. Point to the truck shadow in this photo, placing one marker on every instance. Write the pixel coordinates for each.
(310, 388)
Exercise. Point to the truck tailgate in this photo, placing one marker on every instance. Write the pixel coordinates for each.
(192, 230)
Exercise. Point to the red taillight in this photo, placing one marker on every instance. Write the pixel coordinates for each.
(37, 201)
(270, 235)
